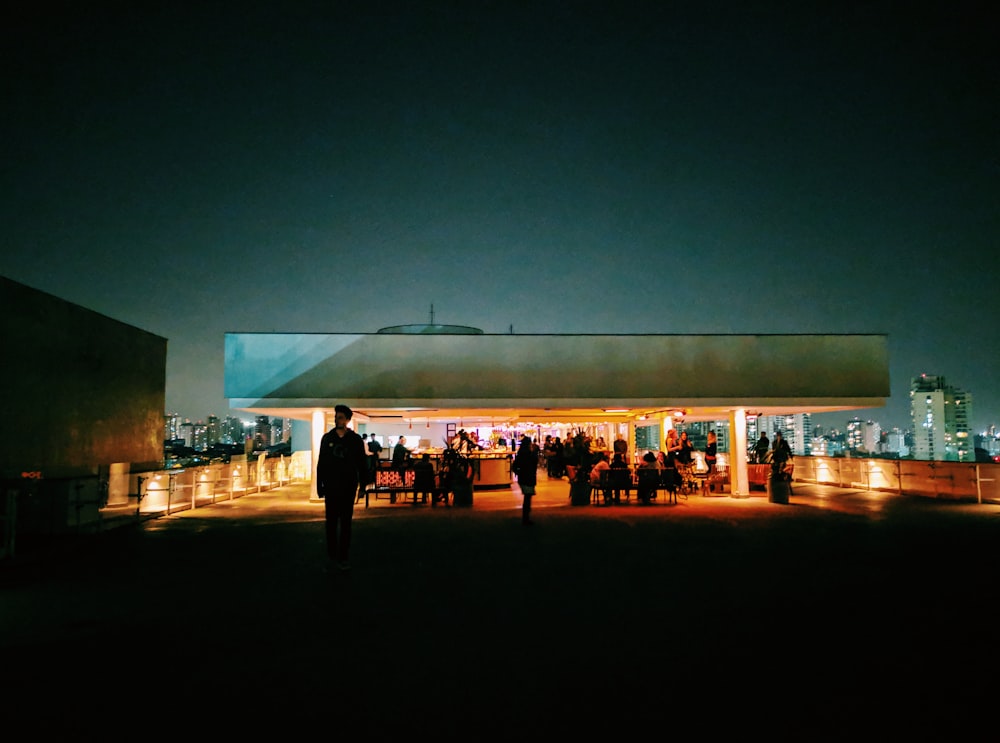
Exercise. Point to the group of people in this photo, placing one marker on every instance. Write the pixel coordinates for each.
(618, 477)
(669, 467)
(348, 462)
(763, 451)
(556, 454)
(777, 454)
(552, 453)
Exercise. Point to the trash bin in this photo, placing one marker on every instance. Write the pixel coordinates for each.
(777, 488)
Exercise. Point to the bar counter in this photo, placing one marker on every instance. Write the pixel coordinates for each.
(490, 469)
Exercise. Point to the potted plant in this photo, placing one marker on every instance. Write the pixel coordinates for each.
(579, 458)
(456, 477)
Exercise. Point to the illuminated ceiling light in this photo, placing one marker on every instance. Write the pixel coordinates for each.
(616, 410)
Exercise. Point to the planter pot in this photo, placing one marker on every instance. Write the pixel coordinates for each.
(579, 493)
(461, 492)
(777, 489)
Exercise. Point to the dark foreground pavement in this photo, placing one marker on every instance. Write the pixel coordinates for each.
(843, 613)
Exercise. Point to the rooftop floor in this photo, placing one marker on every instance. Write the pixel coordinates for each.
(842, 611)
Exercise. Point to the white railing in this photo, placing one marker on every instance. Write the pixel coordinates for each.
(87, 504)
(963, 481)
(169, 491)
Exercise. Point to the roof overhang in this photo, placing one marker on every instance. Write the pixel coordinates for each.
(570, 378)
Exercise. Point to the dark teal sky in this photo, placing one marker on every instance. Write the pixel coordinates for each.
(643, 168)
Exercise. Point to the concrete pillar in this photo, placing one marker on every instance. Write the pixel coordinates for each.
(318, 429)
(738, 477)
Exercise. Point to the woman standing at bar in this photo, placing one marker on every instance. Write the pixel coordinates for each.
(711, 451)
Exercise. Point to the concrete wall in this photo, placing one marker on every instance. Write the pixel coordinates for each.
(78, 390)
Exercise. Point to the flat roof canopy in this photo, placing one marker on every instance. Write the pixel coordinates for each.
(568, 377)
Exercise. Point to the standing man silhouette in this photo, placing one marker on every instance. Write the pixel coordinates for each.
(341, 468)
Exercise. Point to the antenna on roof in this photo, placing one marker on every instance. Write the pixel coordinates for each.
(432, 313)
(512, 329)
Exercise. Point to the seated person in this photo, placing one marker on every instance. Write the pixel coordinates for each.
(424, 480)
(619, 478)
(601, 466)
(670, 478)
(400, 463)
(648, 475)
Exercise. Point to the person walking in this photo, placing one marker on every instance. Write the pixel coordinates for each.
(525, 466)
(781, 455)
(341, 468)
(760, 448)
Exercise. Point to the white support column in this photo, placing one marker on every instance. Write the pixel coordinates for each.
(318, 429)
(738, 477)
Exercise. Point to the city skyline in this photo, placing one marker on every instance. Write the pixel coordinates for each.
(629, 169)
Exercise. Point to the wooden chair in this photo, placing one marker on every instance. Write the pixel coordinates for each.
(424, 484)
(600, 490)
(689, 483)
(715, 481)
(647, 483)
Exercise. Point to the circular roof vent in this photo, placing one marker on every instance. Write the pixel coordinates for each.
(432, 330)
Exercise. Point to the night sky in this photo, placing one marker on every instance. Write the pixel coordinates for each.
(707, 167)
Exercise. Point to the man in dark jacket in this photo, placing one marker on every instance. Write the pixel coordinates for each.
(341, 468)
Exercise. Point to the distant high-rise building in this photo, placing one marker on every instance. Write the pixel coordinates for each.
(895, 443)
(988, 441)
(820, 446)
(171, 426)
(199, 441)
(213, 430)
(799, 433)
(232, 431)
(262, 433)
(186, 432)
(280, 431)
(855, 434)
(940, 415)
(871, 436)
